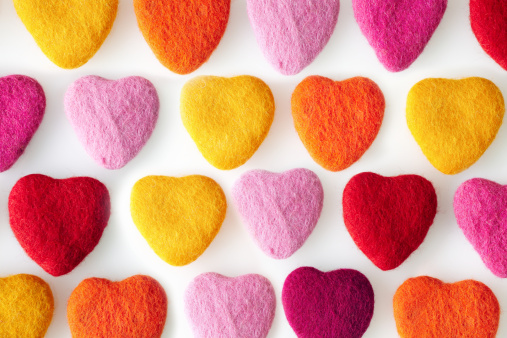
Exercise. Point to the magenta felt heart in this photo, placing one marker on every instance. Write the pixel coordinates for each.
(112, 119)
(219, 306)
(291, 33)
(22, 105)
(480, 207)
(280, 210)
(398, 30)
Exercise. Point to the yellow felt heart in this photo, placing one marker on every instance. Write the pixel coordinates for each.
(178, 216)
(454, 121)
(228, 118)
(69, 32)
(26, 306)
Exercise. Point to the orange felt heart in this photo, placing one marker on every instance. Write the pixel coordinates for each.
(337, 121)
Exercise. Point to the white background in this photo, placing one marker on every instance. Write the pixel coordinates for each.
(452, 52)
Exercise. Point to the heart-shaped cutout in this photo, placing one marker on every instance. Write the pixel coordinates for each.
(69, 32)
(228, 118)
(134, 307)
(58, 222)
(291, 33)
(398, 30)
(178, 216)
(454, 121)
(182, 34)
(427, 307)
(337, 303)
(22, 106)
(112, 119)
(219, 306)
(388, 217)
(337, 121)
(26, 306)
(280, 210)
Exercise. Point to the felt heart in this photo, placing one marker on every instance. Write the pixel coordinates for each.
(291, 33)
(112, 119)
(398, 30)
(219, 306)
(427, 307)
(280, 210)
(228, 118)
(58, 222)
(182, 34)
(26, 306)
(337, 303)
(454, 121)
(388, 217)
(69, 32)
(134, 307)
(22, 105)
(178, 216)
(337, 121)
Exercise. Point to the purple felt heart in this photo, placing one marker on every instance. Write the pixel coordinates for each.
(22, 105)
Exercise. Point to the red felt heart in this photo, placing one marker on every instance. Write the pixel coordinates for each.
(58, 222)
(388, 217)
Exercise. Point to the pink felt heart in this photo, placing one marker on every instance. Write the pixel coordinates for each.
(280, 210)
(219, 306)
(291, 33)
(112, 119)
(398, 30)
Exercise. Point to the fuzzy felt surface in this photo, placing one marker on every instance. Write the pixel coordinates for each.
(112, 119)
(182, 34)
(178, 216)
(398, 30)
(68, 32)
(58, 222)
(219, 306)
(26, 306)
(134, 307)
(281, 210)
(388, 217)
(427, 307)
(454, 121)
(337, 303)
(22, 106)
(228, 118)
(337, 121)
(291, 33)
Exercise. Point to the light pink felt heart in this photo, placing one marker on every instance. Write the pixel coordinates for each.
(291, 33)
(112, 119)
(280, 210)
(480, 207)
(219, 306)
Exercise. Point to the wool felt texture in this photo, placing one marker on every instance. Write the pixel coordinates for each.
(280, 211)
(178, 216)
(398, 30)
(22, 106)
(228, 118)
(134, 307)
(182, 33)
(337, 121)
(112, 119)
(58, 222)
(388, 217)
(454, 121)
(337, 303)
(291, 33)
(68, 32)
(219, 306)
(427, 307)
(26, 306)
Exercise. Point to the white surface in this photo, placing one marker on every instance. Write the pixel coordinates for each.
(55, 151)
